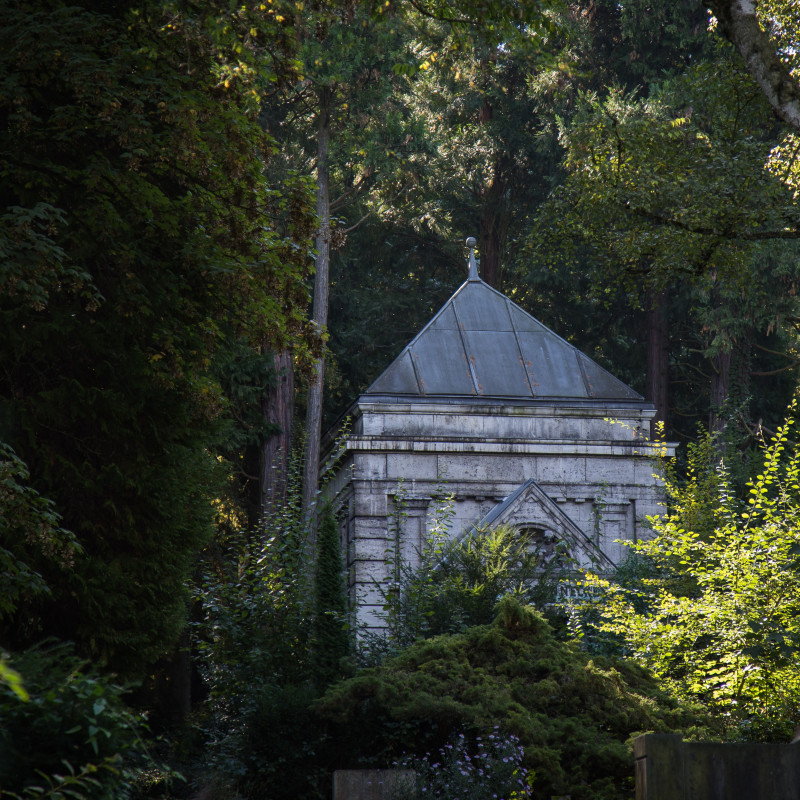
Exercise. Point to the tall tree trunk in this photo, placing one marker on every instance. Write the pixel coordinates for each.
(720, 388)
(494, 217)
(657, 391)
(320, 310)
(278, 408)
(739, 23)
(743, 365)
(491, 244)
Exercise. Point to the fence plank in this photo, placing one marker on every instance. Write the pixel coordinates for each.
(667, 768)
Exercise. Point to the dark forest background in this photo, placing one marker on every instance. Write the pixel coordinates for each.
(219, 223)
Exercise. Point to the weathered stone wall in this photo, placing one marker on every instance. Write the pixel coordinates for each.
(372, 784)
(401, 457)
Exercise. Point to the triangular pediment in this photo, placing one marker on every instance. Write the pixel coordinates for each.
(480, 344)
(531, 507)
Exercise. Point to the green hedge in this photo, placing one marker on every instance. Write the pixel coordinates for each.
(575, 715)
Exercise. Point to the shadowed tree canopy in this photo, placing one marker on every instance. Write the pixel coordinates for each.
(137, 236)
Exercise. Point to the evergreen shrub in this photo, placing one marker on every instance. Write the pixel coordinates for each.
(574, 715)
(330, 643)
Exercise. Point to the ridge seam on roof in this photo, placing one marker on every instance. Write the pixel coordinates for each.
(519, 346)
(417, 376)
(586, 382)
(475, 385)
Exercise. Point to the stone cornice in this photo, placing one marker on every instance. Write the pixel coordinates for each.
(567, 447)
(507, 409)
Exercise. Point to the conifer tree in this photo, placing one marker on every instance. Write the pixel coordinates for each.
(330, 634)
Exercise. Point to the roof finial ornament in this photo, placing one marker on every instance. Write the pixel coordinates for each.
(473, 267)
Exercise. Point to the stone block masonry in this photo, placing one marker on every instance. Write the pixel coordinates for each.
(394, 483)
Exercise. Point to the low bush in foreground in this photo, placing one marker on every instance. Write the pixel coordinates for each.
(574, 715)
(73, 733)
(488, 768)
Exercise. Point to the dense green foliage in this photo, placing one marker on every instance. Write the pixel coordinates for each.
(29, 532)
(74, 724)
(457, 583)
(156, 244)
(716, 617)
(134, 245)
(668, 191)
(574, 715)
(140, 244)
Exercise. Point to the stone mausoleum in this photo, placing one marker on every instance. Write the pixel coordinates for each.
(489, 405)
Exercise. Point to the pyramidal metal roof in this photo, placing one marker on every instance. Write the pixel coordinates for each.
(480, 344)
